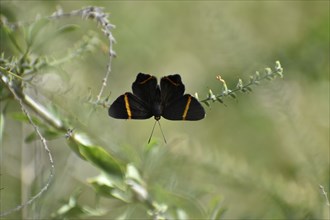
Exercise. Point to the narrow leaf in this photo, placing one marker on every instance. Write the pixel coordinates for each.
(206, 103)
(101, 159)
(233, 95)
(74, 145)
(133, 173)
(66, 29)
(12, 38)
(74, 211)
(219, 100)
(48, 134)
(35, 29)
(20, 116)
(249, 88)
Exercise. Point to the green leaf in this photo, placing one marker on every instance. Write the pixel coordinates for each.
(54, 35)
(233, 95)
(66, 29)
(93, 211)
(249, 89)
(251, 79)
(257, 76)
(136, 183)
(217, 210)
(206, 103)
(108, 187)
(102, 184)
(74, 145)
(133, 173)
(182, 215)
(20, 116)
(125, 196)
(49, 134)
(73, 210)
(101, 159)
(10, 34)
(269, 77)
(219, 100)
(34, 29)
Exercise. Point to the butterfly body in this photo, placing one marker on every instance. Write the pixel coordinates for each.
(150, 99)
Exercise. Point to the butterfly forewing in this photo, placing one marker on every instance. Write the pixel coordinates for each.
(129, 106)
(172, 88)
(184, 108)
(145, 87)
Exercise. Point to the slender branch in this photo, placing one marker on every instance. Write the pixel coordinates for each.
(325, 194)
(90, 12)
(254, 80)
(44, 143)
(10, 73)
(101, 18)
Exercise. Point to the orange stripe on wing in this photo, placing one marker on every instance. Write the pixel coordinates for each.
(128, 109)
(186, 108)
(144, 81)
(175, 84)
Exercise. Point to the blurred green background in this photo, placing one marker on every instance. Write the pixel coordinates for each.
(262, 156)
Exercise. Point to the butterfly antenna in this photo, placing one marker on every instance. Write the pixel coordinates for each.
(162, 132)
(153, 128)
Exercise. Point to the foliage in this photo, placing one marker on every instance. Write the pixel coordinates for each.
(254, 80)
(134, 183)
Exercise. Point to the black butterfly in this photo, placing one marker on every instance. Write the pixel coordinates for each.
(150, 99)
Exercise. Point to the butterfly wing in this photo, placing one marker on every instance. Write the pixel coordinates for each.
(172, 88)
(145, 87)
(184, 108)
(129, 106)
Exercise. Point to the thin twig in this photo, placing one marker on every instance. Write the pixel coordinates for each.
(95, 13)
(101, 18)
(325, 194)
(90, 12)
(253, 81)
(44, 143)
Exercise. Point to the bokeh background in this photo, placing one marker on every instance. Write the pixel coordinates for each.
(260, 156)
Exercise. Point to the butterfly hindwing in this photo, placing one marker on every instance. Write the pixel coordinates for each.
(129, 106)
(184, 108)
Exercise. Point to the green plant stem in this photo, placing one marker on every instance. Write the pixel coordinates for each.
(10, 73)
(18, 96)
(228, 92)
(28, 101)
